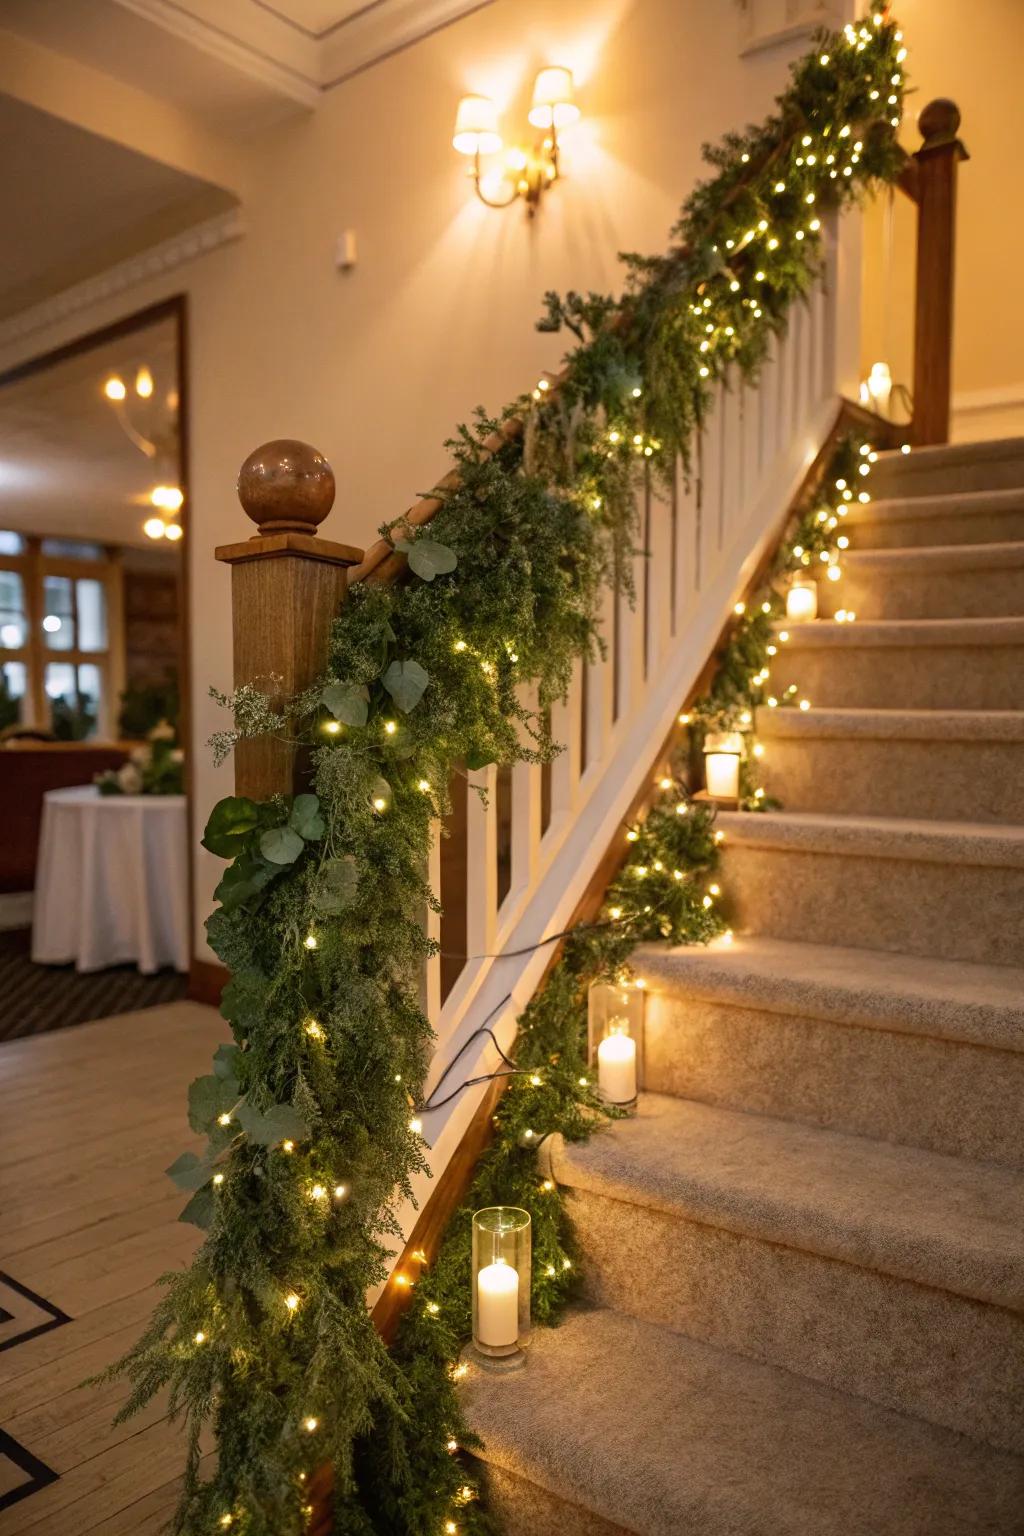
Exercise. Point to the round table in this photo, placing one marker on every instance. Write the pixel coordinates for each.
(112, 881)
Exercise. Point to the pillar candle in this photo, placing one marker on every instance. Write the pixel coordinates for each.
(497, 1305)
(722, 772)
(616, 1069)
(802, 601)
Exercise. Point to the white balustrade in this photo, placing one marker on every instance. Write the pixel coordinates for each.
(704, 534)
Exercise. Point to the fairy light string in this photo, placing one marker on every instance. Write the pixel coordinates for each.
(313, 1135)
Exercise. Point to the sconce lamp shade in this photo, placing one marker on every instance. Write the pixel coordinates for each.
(553, 99)
(476, 127)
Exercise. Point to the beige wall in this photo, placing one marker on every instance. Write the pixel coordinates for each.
(376, 366)
(972, 53)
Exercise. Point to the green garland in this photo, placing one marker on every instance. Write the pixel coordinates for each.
(310, 1113)
(662, 893)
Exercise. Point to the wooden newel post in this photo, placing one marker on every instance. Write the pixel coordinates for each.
(286, 587)
(934, 186)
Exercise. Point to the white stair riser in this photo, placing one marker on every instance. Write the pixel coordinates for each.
(922, 475)
(943, 1095)
(923, 594)
(941, 1357)
(905, 677)
(955, 911)
(945, 780)
(943, 528)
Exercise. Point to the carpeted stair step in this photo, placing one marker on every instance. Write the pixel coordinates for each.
(888, 1272)
(950, 467)
(966, 517)
(950, 889)
(903, 664)
(944, 581)
(922, 1052)
(896, 762)
(619, 1426)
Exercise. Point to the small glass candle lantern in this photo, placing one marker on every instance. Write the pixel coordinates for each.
(615, 1035)
(722, 753)
(501, 1281)
(802, 599)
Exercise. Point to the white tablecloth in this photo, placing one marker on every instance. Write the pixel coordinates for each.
(112, 881)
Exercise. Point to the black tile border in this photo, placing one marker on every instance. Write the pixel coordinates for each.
(40, 1476)
(57, 1320)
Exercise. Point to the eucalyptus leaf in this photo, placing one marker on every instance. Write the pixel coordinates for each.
(200, 1209)
(243, 1000)
(428, 557)
(348, 702)
(336, 884)
(230, 823)
(380, 789)
(190, 1172)
(242, 881)
(208, 1098)
(406, 681)
(305, 818)
(281, 845)
(226, 1062)
(280, 1123)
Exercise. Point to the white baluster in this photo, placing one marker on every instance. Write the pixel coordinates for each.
(526, 832)
(481, 862)
(660, 574)
(565, 770)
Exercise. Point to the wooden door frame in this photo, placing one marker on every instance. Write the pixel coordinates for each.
(174, 308)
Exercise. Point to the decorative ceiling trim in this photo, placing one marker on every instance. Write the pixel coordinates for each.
(292, 68)
(376, 34)
(153, 262)
(286, 56)
(322, 32)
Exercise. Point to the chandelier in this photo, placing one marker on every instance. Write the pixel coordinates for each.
(148, 417)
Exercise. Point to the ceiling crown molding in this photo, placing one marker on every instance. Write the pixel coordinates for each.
(268, 41)
(245, 36)
(174, 252)
(382, 29)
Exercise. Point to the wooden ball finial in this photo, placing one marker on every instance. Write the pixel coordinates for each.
(286, 487)
(939, 121)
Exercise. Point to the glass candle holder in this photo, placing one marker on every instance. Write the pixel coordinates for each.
(615, 1037)
(501, 1280)
(722, 753)
(802, 599)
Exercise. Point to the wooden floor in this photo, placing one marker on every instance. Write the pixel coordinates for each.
(89, 1119)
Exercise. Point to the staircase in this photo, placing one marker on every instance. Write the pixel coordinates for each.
(804, 1257)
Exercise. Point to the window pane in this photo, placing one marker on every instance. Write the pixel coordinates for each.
(73, 700)
(58, 613)
(72, 549)
(89, 686)
(12, 611)
(11, 543)
(12, 692)
(92, 615)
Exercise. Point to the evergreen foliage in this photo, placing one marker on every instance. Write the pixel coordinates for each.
(310, 1113)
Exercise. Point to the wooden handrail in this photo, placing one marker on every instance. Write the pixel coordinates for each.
(929, 179)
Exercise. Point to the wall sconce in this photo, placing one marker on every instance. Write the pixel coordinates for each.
(530, 172)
